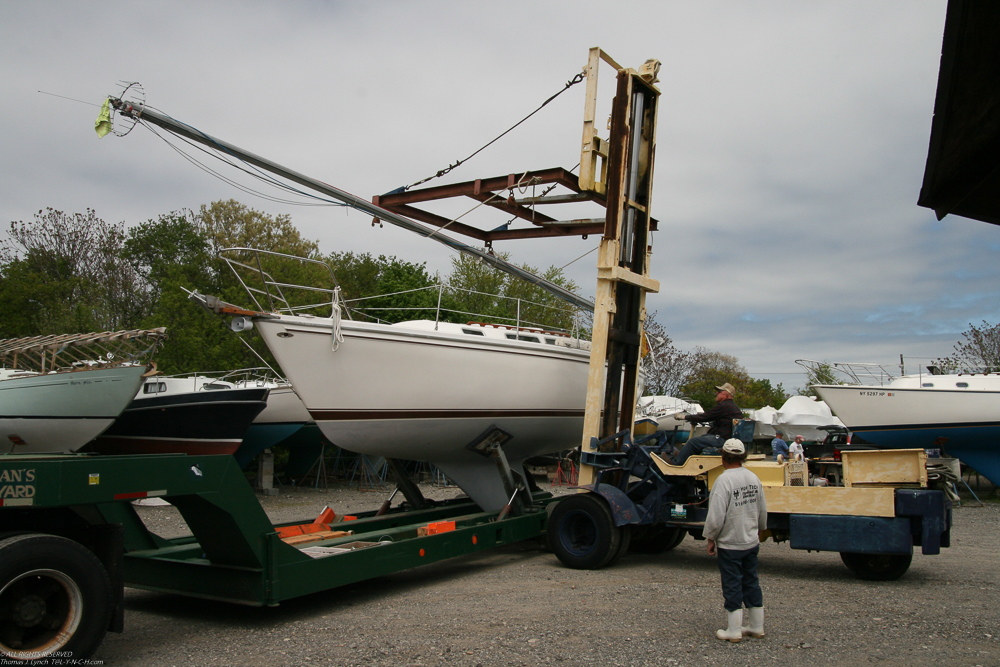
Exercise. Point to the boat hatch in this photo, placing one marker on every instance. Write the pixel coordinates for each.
(473, 332)
(154, 387)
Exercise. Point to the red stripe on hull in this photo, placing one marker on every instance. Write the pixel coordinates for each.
(106, 445)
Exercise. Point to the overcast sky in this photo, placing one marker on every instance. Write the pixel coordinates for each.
(790, 151)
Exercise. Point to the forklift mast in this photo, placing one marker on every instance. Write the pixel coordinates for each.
(626, 178)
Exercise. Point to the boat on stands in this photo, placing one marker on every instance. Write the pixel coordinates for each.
(956, 413)
(189, 414)
(59, 392)
(799, 415)
(281, 422)
(426, 390)
(662, 409)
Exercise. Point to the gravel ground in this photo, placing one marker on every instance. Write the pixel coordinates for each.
(518, 605)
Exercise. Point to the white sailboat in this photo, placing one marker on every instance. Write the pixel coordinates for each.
(422, 390)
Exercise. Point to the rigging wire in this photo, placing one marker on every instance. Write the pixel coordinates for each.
(71, 99)
(580, 257)
(220, 153)
(441, 172)
(227, 180)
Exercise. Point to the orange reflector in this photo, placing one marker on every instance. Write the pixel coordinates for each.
(440, 527)
(421, 553)
(350, 518)
(475, 539)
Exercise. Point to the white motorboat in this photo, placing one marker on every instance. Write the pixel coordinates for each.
(958, 414)
(65, 390)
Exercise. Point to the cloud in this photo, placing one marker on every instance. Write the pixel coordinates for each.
(790, 150)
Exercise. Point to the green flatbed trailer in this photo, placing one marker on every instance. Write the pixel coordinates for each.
(70, 541)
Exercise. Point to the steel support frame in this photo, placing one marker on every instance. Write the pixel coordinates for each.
(485, 190)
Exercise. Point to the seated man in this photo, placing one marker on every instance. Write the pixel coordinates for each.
(721, 417)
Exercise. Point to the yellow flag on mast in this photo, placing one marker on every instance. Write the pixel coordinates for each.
(103, 122)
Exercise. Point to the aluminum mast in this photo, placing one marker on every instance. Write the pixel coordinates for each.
(140, 112)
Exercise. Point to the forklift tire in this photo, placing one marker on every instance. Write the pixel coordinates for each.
(877, 567)
(656, 539)
(55, 598)
(582, 532)
(623, 545)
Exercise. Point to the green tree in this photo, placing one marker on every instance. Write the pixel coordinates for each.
(230, 224)
(713, 369)
(385, 289)
(979, 351)
(65, 274)
(484, 291)
(821, 373)
(172, 255)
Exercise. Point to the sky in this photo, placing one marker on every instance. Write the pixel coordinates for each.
(791, 144)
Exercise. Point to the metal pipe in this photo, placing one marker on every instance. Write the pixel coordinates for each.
(166, 122)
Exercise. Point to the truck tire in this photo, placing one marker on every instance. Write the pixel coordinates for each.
(656, 539)
(55, 596)
(582, 532)
(877, 567)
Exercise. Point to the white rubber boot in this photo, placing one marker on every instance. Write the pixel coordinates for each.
(735, 631)
(753, 626)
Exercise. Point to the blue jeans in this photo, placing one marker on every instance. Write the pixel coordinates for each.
(739, 578)
(696, 446)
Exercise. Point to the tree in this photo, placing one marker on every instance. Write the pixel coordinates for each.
(667, 367)
(486, 292)
(978, 352)
(230, 224)
(713, 369)
(67, 274)
(821, 373)
(171, 254)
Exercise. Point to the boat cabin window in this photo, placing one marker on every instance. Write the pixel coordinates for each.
(211, 386)
(550, 341)
(963, 385)
(473, 332)
(927, 384)
(154, 387)
(530, 339)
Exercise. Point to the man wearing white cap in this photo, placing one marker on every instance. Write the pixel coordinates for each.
(721, 418)
(737, 512)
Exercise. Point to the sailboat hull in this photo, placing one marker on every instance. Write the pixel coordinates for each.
(424, 395)
(61, 412)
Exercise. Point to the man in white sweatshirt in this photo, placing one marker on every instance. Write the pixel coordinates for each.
(737, 512)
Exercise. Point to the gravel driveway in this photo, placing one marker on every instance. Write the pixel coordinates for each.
(518, 605)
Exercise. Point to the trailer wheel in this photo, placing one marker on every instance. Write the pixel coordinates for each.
(55, 595)
(877, 567)
(582, 532)
(656, 539)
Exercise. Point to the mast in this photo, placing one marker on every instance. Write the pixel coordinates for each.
(140, 112)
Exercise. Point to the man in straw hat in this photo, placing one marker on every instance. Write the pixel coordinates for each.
(737, 512)
(721, 417)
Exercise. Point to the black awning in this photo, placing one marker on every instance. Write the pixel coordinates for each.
(962, 176)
